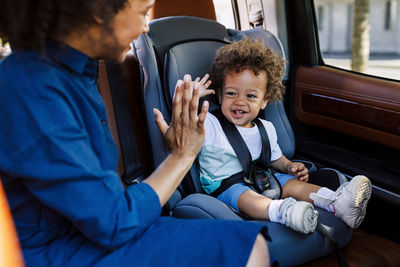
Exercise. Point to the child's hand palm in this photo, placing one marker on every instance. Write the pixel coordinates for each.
(203, 85)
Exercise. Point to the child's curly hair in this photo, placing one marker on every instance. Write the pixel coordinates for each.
(252, 55)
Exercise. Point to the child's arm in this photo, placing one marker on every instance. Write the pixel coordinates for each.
(294, 168)
(203, 84)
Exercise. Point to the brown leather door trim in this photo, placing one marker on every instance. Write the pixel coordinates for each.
(349, 103)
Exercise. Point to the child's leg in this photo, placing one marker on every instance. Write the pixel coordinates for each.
(299, 190)
(254, 205)
(302, 191)
(298, 215)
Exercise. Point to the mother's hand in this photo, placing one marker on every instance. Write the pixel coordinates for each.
(185, 134)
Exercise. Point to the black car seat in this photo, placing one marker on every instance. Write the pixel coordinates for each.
(178, 45)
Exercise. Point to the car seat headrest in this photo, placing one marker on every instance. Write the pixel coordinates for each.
(184, 28)
(270, 40)
(192, 57)
(202, 9)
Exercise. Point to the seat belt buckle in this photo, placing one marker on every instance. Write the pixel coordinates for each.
(261, 179)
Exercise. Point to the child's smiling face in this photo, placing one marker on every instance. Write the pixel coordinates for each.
(243, 96)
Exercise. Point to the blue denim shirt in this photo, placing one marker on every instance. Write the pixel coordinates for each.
(57, 157)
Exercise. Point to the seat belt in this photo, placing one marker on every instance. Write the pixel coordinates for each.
(256, 174)
(237, 143)
(134, 169)
(265, 157)
(327, 232)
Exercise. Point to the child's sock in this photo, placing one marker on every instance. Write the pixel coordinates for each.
(325, 199)
(273, 211)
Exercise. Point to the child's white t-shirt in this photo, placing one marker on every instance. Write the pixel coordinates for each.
(217, 158)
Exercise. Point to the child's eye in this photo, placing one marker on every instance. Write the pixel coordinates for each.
(251, 96)
(230, 93)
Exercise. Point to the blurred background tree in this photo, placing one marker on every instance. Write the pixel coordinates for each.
(361, 36)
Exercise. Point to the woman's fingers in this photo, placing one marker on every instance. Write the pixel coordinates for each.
(186, 99)
(177, 102)
(194, 103)
(161, 123)
(202, 115)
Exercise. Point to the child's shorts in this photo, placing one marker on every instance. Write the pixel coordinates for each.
(231, 195)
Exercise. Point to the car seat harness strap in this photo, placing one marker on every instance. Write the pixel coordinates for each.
(258, 174)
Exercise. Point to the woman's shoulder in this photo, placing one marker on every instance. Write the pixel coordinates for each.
(28, 69)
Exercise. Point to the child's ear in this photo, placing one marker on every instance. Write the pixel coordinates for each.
(265, 101)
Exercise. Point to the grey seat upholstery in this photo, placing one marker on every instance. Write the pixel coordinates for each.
(175, 46)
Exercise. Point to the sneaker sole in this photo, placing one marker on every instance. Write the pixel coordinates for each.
(309, 217)
(364, 191)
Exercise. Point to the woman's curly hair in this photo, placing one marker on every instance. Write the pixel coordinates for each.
(252, 55)
(29, 23)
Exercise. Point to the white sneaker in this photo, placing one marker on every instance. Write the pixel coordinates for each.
(350, 200)
(298, 215)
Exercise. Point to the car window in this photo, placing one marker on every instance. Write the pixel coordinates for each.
(224, 12)
(360, 35)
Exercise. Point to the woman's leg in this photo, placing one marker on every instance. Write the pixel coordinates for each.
(177, 242)
(259, 255)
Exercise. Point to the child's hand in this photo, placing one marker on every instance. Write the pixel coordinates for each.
(203, 84)
(299, 170)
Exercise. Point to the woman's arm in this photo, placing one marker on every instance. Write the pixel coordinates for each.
(184, 137)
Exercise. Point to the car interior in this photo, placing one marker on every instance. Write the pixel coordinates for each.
(339, 121)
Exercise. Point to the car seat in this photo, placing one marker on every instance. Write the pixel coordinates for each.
(178, 45)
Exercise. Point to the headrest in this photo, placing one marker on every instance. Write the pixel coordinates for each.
(185, 44)
(195, 8)
(193, 57)
(270, 40)
(167, 31)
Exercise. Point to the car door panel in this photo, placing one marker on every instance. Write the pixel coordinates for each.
(353, 104)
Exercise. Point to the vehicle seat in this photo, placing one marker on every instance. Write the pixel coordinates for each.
(203, 9)
(10, 251)
(178, 45)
